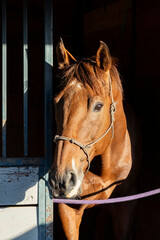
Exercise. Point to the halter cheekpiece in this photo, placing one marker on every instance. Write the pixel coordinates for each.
(83, 146)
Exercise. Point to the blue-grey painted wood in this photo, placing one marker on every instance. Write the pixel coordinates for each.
(28, 161)
(4, 77)
(48, 111)
(46, 207)
(41, 205)
(25, 76)
(19, 186)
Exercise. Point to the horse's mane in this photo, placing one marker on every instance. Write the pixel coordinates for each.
(89, 74)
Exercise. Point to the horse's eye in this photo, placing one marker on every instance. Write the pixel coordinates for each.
(98, 107)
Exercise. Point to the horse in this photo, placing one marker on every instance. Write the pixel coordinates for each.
(93, 154)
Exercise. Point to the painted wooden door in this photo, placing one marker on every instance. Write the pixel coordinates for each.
(26, 210)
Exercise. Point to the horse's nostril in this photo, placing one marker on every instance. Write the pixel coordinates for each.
(60, 186)
(73, 179)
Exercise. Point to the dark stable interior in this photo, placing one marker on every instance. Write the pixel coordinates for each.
(130, 29)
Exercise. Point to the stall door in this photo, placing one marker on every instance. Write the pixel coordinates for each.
(26, 210)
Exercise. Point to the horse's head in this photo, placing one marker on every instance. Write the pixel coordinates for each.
(83, 114)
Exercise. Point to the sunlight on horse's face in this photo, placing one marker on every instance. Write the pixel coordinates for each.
(83, 115)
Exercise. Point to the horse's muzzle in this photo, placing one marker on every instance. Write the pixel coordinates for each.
(61, 186)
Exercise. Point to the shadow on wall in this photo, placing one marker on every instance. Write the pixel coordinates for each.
(31, 234)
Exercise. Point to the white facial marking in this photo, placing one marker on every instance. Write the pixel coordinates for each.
(79, 85)
(74, 165)
(79, 181)
(76, 84)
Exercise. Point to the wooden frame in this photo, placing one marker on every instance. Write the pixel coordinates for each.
(19, 172)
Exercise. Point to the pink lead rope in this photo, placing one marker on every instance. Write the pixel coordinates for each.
(111, 200)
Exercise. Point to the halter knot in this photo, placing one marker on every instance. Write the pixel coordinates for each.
(71, 141)
(113, 110)
(55, 138)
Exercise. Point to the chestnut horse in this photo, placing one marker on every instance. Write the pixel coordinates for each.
(90, 122)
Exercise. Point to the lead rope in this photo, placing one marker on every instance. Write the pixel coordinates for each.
(83, 146)
(109, 201)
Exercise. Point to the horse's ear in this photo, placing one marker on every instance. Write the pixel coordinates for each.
(64, 58)
(103, 57)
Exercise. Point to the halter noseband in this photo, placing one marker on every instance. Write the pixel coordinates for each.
(83, 146)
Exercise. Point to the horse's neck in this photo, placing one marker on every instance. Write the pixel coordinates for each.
(116, 159)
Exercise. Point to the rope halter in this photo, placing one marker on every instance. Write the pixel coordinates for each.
(84, 147)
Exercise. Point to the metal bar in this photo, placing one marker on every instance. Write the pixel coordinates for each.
(4, 77)
(25, 76)
(28, 161)
(48, 66)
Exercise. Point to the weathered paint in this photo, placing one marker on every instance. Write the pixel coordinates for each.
(26, 161)
(41, 205)
(18, 185)
(49, 213)
(18, 223)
